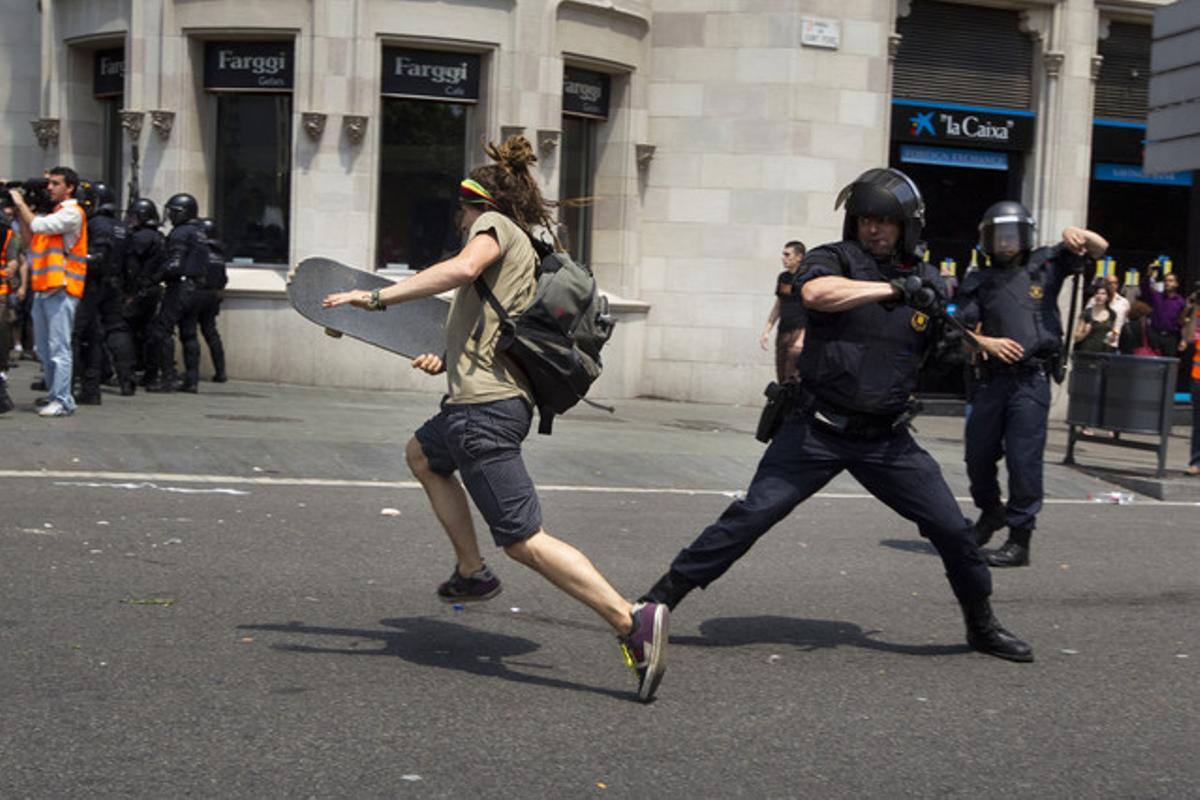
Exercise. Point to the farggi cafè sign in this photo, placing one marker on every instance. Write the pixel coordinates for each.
(108, 72)
(585, 92)
(432, 74)
(248, 66)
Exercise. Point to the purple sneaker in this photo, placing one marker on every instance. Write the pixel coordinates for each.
(645, 648)
(482, 585)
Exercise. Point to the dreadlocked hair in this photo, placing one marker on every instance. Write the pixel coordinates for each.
(512, 184)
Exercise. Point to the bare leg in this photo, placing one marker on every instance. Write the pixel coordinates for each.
(449, 501)
(572, 571)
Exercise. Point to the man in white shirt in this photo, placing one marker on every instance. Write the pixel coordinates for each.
(58, 250)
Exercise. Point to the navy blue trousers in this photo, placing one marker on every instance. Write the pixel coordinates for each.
(1008, 419)
(803, 458)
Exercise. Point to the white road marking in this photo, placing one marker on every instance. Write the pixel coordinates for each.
(120, 480)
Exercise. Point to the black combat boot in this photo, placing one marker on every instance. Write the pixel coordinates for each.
(987, 635)
(1014, 552)
(669, 590)
(6, 402)
(89, 398)
(990, 521)
(162, 386)
(218, 359)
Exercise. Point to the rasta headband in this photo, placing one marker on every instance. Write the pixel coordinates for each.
(471, 191)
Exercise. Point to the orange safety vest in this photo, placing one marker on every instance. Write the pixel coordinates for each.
(1196, 352)
(54, 266)
(4, 263)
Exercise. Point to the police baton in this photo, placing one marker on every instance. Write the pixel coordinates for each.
(953, 320)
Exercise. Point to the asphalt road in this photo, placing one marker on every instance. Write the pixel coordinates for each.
(250, 625)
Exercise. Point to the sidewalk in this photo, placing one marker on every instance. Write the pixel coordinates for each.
(258, 429)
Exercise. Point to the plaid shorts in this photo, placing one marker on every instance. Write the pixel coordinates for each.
(483, 442)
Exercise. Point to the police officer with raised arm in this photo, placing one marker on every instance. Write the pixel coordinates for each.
(872, 315)
(1013, 302)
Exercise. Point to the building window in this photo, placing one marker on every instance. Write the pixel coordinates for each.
(576, 186)
(252, 198)
(423, 157)
(585, 101)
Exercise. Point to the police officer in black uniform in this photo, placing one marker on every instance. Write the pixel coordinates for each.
(209, 298)
(99, 321)
(187, 258)
(872, 311)
(144, 264)
(1014, 303)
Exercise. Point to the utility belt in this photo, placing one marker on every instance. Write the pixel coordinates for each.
(792, 399)
(1050, 366)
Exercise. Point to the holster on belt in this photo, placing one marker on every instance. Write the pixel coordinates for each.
(781, 401)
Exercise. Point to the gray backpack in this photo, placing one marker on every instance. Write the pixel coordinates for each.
(556, 341)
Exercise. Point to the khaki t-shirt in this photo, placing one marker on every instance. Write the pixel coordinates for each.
(476, 373)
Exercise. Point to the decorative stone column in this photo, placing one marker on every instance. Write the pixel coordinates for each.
(313, 123)
(46, 131)
(132, 121)
(355, 127)
(162, 121)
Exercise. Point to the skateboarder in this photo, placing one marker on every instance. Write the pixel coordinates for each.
(488, 409)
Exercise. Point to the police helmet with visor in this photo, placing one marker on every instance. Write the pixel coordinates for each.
(144, 213)
(884, 193)
(104, 199)
(1006, 232)
(181, 208)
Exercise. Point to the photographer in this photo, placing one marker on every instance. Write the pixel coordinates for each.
(58, 248)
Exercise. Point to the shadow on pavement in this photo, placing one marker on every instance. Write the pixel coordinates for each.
(804, 634)
(909, 546)
(434, 643)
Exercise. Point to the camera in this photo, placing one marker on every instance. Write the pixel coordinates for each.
(36, 191)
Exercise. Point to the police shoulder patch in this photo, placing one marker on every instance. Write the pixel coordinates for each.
(919, 322)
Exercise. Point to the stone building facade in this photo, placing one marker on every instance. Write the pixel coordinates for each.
(706, 133)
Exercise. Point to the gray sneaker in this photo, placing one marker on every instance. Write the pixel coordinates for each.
(645, 648)
(482, 585)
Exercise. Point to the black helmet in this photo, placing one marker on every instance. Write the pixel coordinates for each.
(85, 195)
(181, 208)
(144, 213)
(1006, 222)
(886, 193)
(209, 226)
(105, 200)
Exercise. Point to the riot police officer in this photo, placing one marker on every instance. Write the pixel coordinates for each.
(144, 264)
(209, 298)
(99, 321)
(1014, 303)
(873, 308)
(187, 259)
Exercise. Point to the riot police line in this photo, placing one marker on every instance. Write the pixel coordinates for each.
(141, 288)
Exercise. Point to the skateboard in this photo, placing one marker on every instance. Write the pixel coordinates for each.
(409, 329)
